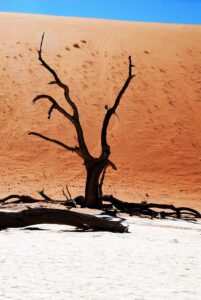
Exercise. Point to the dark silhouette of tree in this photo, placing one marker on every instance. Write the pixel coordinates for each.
(95, 166)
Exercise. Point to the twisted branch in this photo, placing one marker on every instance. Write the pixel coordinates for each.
(152, 209)
(83, 150)
(112, 110)
(57, 79)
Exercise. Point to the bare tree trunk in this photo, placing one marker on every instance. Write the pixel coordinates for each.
(92, 188)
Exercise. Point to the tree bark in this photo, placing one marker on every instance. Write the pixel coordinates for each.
(57, 216)
(92, 188)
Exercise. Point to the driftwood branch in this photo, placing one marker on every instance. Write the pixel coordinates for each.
(69, 201)
(154, 210)
(45, 196)
(112, 110)
(28, 199)
(25, 199)
(35, 216)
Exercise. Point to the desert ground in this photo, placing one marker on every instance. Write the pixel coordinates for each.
(155, 261)
(156, 136)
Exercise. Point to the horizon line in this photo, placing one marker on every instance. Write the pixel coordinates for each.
(99, 18)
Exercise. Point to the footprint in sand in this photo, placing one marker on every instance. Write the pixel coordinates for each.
(162, 71)
(189, 52)
(75, 45)
(170, 102)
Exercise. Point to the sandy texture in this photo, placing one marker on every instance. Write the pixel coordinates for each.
(156, 138)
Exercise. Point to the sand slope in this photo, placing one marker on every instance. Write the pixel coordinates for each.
(156, 140)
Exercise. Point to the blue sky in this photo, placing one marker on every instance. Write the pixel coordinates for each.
(167, 11)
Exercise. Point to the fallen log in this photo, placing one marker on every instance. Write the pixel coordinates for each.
(154, 210)
(35, 216)
(28, 199)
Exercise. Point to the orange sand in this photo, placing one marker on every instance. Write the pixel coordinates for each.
(155, 142)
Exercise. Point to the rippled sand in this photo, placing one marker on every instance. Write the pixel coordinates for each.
(157, 260)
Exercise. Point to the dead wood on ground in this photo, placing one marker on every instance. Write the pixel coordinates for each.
(111, 206)
(35, 216)
(153, 210)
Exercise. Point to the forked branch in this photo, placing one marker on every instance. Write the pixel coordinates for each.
(55, 105)
(112, 110)
(82, 151)
(57, 80)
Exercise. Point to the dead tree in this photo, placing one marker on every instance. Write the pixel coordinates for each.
(95, 166)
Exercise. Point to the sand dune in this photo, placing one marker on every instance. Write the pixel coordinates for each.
(156, 138)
